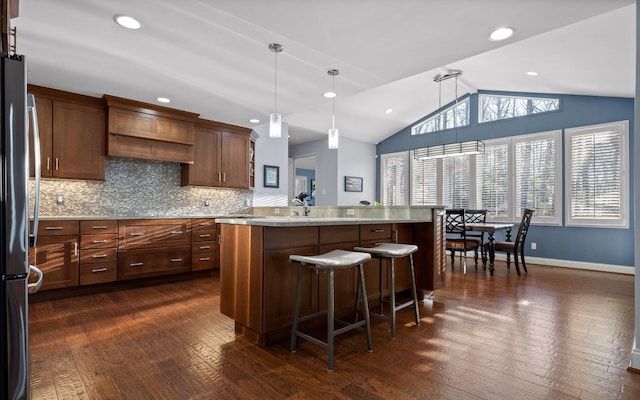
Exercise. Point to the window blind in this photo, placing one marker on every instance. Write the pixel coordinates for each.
(394, 179)
(456, 182)
(424, 181)
(595, 178)
(535, 175)
(493, 167)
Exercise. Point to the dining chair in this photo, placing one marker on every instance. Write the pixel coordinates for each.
(456, 236)
(476, 216)
(517, 246)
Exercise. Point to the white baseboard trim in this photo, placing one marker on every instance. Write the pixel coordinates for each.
(551, 262)
(635, 359)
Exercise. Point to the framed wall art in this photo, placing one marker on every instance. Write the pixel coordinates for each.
(352, 184)
(271, 176)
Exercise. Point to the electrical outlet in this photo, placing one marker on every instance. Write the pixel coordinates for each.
(60, 199)
(276, 211)
(207, 202)
(533, 246)
(351, 211)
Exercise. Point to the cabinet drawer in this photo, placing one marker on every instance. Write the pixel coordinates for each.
(375, 232)
(153, 262)
(98, 273)
(203, 223)
(55, 228)
(98, 256)
(203, 247)
(203, 261)
(98, 241)
(288, 237)
(207, 235)
(98, 227)
(339, 234)
(153, 233)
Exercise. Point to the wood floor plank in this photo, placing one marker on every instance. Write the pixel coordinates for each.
(550, 334)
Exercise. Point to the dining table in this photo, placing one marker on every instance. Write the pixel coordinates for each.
(491, 228)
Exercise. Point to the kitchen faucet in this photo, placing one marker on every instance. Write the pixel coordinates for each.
(301, 200)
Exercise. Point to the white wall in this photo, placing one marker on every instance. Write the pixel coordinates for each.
(356, 158)
(352, 158)
(635, 352)
(274, 152)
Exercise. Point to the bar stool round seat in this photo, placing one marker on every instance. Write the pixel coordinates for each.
(391, 251)
(329, 263)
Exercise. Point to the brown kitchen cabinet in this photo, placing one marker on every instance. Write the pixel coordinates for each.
(258, 283)
(148, 131)
(153, 247)
(98, 251)
(56, 254)
(72, 135)
(221, 156)
(204, 244)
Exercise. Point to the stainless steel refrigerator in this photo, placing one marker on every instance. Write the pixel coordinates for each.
(15, 238)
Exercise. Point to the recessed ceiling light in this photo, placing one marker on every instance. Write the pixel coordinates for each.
(388, 111)
(532, 73)
(127, 21)
(163, 100)
(254, 120)
(329, 95)
(501, 34)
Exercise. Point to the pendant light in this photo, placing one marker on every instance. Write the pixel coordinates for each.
(333, 132)
(275, 119)
(450, 149)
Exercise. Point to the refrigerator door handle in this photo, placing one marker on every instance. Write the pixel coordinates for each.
(34, 287)
(31, 106)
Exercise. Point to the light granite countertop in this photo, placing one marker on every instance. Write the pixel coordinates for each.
(314, 221)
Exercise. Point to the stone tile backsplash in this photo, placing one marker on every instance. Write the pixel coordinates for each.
(134, 187)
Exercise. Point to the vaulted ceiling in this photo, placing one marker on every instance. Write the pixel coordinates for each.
(211, 56)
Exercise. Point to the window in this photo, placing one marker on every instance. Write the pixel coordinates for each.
(424, 182)
(445, 119)
(597, 189)
(513, 174)
(395, 179)
(457, 182)
(537, 176)
(494, 107)
(494, 173)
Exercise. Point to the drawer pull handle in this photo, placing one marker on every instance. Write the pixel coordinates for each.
(205, 258)
(99, 227)
(176, 232)
(378, 230)
(137, 234)
(100, 241)
(176, 259)
(93, 271)
(137, 264)
(99, 255)
(205, 247)
(205, 236)
(54, 228)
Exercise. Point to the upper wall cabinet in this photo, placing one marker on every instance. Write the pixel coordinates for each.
(72, 135)
(141, 130)
(221, 156)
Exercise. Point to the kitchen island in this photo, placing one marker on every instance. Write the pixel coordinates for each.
(257, 283)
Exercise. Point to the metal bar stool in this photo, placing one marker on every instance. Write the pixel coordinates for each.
(329, 262)
(391, 251)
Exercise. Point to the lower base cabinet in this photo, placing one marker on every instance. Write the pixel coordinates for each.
(134, 264)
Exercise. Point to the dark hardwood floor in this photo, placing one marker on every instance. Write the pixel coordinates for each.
(552, 334)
